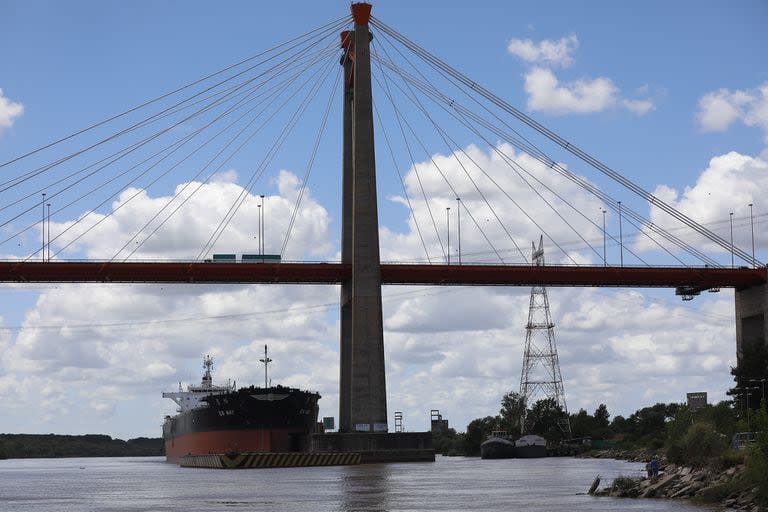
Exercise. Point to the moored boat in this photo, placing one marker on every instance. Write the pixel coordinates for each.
(498, 446)
(530, 446)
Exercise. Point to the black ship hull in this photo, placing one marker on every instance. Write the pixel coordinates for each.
(497, 448)
(250, 419)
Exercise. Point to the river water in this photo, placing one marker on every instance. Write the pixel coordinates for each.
(451, 483)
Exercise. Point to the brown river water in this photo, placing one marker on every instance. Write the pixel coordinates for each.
(451, 483)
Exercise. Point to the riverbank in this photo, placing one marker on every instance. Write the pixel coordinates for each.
(704, 485)
(32, 446)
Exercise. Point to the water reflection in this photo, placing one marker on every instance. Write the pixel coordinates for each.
(366, 487)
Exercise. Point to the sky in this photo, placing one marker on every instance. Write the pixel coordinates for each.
(672, 96)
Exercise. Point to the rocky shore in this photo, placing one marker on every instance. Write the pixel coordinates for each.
(681, 482)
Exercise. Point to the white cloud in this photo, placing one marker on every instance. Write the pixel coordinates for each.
(454, 349)
(639, 107)
(728, 184)
(508, 222)
(9, 111)
(557, 53)
(718, 110)
(189, 229)
(583, 96)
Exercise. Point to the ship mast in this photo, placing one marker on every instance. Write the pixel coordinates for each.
(207, 378)
(266, 362)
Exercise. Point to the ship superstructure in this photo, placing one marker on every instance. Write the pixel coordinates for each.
(194, 396)
(224, 419)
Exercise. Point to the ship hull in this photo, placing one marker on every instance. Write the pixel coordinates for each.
(247, 420)
(238, 441)
(530, 452)
(497, 448)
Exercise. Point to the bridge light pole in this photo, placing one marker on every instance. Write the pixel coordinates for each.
(263, 226)
(458, 224)
(621, 239)
(448, 229)
(259, 209)
(732, 261)
(42, 251)
(746, 390)
(49, 230)
(605, 260)
(752, 227)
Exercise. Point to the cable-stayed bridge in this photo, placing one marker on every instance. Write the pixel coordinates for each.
(463, 147)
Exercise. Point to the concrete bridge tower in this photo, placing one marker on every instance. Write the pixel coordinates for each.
(363, 394)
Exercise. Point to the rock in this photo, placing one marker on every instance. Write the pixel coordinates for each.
(657, 488)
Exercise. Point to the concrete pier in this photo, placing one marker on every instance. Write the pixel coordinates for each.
(378, 447)
(751, 313)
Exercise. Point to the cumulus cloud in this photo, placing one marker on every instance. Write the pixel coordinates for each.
(503, 209)
(109, 350)
(9, 111)
(99, 236)
(728, 184)
(718, 110)
(547, 51)
(584, 96)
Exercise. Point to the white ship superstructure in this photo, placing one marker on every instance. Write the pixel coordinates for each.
(192, 398)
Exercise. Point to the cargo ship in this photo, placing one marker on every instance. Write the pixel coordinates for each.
(215, 419)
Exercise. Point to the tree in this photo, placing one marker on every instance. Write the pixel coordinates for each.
(512, 408)
(542, 419)
(582, 424)
(602, 416)
(753, 365)
(601, 429)
(477, 430)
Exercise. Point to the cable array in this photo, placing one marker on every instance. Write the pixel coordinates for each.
(244, 115)
(181, 138)
(484, 118)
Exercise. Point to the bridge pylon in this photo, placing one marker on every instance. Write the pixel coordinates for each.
(363, 394)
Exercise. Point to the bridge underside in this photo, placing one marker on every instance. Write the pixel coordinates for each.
(335, 273)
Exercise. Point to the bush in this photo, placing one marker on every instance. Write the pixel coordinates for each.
(699, 446)
(729, 459)
(624, 483)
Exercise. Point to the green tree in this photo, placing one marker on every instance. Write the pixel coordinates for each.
(582, 424)
(543, 419)
(477, 430)
(601, 429)
(512, 408)
(753, 366)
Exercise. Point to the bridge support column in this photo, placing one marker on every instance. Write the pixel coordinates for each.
(751, 317)
(365, 395)
(345, 346)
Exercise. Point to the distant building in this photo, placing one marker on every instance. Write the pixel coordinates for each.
(439, 425)
(697, 400)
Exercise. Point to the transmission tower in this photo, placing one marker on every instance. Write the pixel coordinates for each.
(540, 376)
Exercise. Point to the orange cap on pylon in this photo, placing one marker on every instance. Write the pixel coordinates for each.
(346, 39)
(361, 13)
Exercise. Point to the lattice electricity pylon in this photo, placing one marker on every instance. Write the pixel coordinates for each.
(540, 376)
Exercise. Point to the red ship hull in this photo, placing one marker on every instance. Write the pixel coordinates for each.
(250, 440)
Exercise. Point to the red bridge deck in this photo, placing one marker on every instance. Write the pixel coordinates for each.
(416, 274)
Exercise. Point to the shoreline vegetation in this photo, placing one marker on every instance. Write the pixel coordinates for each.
(29, 446)
(713, 454)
